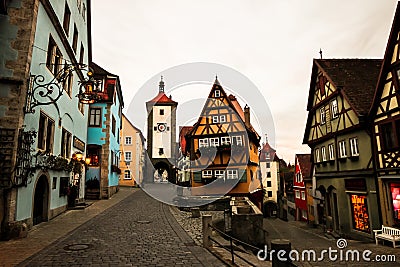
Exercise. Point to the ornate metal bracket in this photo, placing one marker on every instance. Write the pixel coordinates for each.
(23, 164)
(42, 93)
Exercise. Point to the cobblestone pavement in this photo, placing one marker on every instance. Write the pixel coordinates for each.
(193, 226)
(42, 235)
(302, 237)
(138, 231)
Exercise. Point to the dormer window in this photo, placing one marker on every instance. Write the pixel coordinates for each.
(217, 93)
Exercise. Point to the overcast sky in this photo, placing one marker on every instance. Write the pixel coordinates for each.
(272, 43)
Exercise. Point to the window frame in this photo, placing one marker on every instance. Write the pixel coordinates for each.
(97, 121)
(219, 174)
(66, 19)
(225, 140)
(213, 142)
(203, 142)
(217, 93)
(303, 195)
(45, 137)
(331, 151)
(342, 149)
(206, 174)
(222, 118)
(322, 115)
(126, 140)
(334, 109)
(238, 139)
(232, 174)
(317, 155)
(297, 194)
(215, 118)
(126, 157)
(323, 153)
(129, 175)
(66, 142)
(354, 149)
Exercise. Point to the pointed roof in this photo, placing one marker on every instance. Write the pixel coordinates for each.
(161, 97)
(304, 161)
(387, 60)
(356, 77)
(233, 104)
(267, 153)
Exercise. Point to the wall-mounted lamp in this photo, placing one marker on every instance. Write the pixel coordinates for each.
(89, 90)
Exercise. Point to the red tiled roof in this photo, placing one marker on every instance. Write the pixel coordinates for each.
(162, 98)
(304, 161)
(183, 130)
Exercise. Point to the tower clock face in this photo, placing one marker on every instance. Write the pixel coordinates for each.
(161, 127)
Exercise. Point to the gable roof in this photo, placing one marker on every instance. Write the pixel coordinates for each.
(161, 97)
(357, 79)
(267, 150)
(304, 161)
(134, 127)
(387, 58)
(99, 71)
(234, 105)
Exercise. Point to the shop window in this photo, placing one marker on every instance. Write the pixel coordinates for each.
(93, 155)
(63, 186)
(395, 191)
(359, 209)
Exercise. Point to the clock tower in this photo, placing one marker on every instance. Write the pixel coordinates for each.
(161, 136)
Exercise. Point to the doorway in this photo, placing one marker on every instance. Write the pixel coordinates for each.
(41, 201)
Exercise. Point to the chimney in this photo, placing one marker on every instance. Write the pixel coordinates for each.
(247, 116)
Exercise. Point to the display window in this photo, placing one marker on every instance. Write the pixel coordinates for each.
(359, 209)
(395, 191)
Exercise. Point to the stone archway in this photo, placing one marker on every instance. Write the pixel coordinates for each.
(41, 200)
(162, 173)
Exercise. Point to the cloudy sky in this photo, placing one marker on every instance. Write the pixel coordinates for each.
(271, 42)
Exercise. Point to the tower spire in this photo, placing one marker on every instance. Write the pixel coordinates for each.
(161, 85)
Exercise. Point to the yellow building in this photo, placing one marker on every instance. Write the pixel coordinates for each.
(224, 148)
(132, 154)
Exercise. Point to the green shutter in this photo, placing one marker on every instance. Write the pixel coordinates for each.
(243, 179)
(197, 177)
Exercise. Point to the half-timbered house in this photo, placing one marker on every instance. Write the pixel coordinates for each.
(385, 115)
(340, 96)
(223, 148)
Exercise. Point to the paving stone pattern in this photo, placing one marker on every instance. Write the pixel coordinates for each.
(138, 231)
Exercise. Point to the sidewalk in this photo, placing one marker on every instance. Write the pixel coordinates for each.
(42, 235)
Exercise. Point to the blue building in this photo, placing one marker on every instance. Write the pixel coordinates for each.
(44, 47)
(105, 123)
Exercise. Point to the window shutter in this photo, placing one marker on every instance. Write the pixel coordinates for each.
(197, 177)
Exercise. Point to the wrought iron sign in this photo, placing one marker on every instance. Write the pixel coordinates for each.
(90, 90)
(42, 92)
(23, 164)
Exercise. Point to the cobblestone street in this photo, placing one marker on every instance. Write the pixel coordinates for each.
(138, 231)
